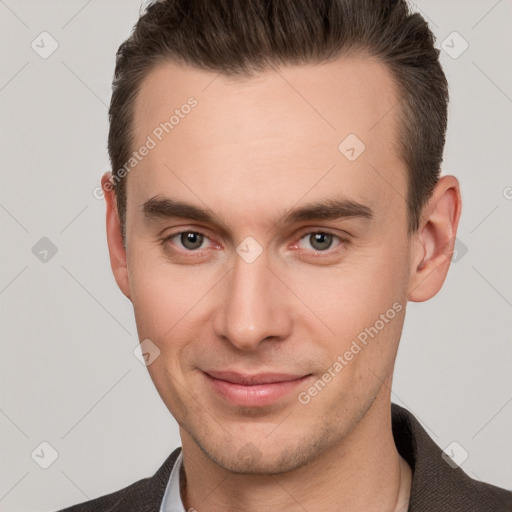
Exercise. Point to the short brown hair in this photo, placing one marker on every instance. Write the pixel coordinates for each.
(246, 37)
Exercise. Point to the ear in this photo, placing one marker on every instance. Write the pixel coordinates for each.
(434, 241)
(114, 238)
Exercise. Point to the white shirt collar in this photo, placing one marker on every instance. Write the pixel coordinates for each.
(172, 497)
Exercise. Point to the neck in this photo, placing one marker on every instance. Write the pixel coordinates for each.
(363, 472)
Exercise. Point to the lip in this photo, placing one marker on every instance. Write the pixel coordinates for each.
(253, 390)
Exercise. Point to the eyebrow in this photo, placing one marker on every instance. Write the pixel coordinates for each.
(159, 207)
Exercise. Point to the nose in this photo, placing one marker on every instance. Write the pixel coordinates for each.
(255, 305)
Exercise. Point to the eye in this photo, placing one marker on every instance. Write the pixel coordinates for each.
(320, 241)
(193, 241)
(189, 240)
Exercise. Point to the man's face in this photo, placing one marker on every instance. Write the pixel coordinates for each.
(251, 152)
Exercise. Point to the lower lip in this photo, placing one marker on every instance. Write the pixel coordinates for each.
(253, 396)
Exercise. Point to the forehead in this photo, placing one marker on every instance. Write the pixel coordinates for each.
(289, 132)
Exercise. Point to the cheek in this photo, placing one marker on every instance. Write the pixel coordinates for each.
(343, 300)
(163, 301)
(169, 300)
(359, 311)
(158, 296)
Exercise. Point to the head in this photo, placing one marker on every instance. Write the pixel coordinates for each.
(275, 202)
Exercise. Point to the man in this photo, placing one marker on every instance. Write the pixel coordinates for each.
(275, 202)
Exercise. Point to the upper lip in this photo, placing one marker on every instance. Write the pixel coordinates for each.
(251, 380)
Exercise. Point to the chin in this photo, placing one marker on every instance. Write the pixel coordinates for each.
(263, 456)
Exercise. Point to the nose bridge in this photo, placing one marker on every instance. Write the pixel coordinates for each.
(254, 310)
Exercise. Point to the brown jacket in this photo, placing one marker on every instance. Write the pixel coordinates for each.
(436, 486)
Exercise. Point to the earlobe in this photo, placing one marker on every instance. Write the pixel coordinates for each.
(117, 252)
(435, 240)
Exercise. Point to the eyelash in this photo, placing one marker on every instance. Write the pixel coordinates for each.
(313, 252)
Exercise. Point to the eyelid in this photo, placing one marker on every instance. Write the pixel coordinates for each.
(328, 231)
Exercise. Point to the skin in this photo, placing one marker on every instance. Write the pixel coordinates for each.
(250, 151)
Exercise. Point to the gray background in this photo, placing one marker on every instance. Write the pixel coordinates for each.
(68, 373)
